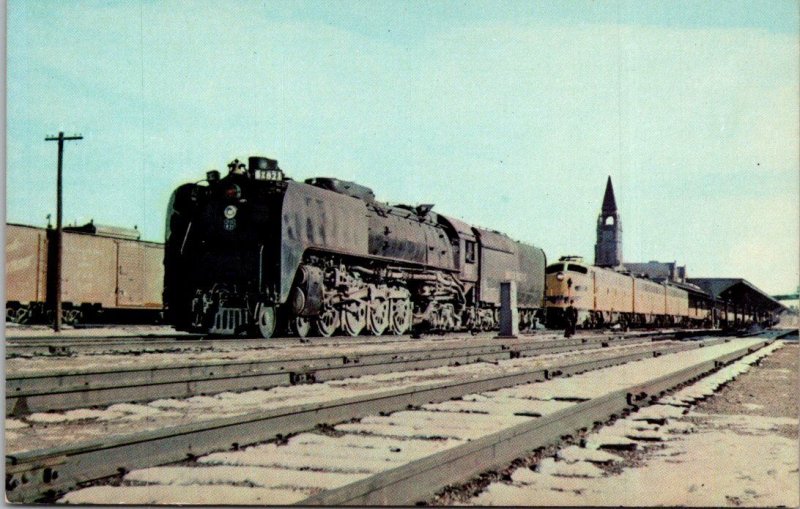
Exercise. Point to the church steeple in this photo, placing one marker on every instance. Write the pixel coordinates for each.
(609, 203)
(608, 250)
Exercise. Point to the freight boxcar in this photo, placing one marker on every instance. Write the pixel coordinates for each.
(106, 272)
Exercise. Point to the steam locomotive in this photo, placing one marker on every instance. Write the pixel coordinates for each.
(255, 251)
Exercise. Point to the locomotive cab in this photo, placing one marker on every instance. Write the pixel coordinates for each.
(567, 282)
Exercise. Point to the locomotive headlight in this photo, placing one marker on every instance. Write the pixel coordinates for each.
(560, 276)
(230, 211)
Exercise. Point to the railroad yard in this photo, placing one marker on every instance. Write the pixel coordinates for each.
(402, 254)
(137, 415)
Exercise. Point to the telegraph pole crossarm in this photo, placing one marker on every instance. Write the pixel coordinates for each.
(59, 207)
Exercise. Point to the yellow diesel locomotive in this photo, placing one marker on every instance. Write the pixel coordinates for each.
(604, 297)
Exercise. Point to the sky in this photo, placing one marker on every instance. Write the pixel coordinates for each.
(508, 115)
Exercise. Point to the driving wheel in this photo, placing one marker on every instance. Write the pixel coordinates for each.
(400, 316)
(327, 322)
(377, 316)
(354, 317)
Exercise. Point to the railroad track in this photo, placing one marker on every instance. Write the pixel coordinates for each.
(66, 345)
(64, 390)
(20, 347)
(63, 346)
(773, 333)
(51, 345)
(419, 480)
(40, 474)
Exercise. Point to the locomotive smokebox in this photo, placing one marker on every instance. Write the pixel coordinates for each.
(262, 163)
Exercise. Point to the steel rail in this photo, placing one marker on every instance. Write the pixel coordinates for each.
(98, 339)
(39, 474)
(70, 346)
(122, 346)
(178, 338)
(418, 481)
(62, 346)
(771, 333)
(244, 344)
(44, 391)
(187, 337)
(65, 346)
(788, 334)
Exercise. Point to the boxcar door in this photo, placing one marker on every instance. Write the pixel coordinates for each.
(88, 270)
(130, 274)
(153, 275)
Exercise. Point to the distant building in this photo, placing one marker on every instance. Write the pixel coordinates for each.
(608, 250)
(740, 297)
(658, 271)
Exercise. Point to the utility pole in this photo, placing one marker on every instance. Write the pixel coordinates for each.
(60, 139)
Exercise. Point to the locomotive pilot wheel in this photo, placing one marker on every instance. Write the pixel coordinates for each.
(265, 321)
(23, 316)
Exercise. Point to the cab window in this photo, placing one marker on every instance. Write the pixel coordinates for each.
(577, 268)
(469, 251)
(554, 268)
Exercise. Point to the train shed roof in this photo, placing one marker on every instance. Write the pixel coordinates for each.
(738, 291)
(691, 288)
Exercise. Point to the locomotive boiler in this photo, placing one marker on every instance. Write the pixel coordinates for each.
(255, 250)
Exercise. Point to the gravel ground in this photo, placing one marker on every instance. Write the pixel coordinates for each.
(768, 391)
(733, 447)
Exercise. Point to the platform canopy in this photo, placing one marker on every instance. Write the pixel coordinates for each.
(740, 292)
